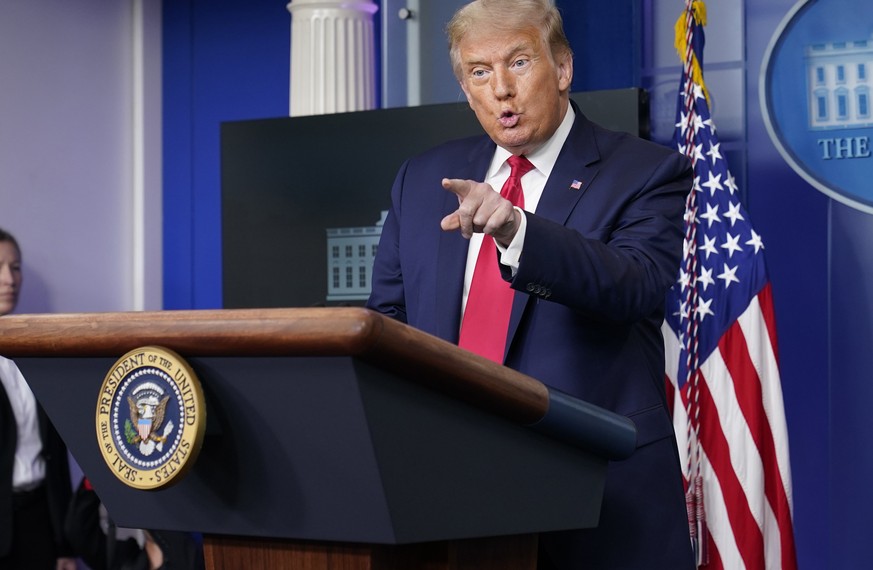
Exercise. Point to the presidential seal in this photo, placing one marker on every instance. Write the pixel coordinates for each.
(151, 418)
(816, 96)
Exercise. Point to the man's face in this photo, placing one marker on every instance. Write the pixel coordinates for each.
(10, 276)
(515, 88)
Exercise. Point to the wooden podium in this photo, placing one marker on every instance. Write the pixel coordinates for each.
(336, 439)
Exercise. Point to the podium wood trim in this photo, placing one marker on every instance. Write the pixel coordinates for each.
(343, 331)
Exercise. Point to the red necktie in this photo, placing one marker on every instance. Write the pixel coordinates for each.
(489, 302)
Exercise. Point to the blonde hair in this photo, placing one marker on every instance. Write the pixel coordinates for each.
(508, 16)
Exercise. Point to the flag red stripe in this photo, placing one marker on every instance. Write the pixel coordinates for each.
(750, 541)
(715, 562)
(750, 399)
(671, 394)
(765, 299)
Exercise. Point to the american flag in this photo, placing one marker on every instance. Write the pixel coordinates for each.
(720, 338)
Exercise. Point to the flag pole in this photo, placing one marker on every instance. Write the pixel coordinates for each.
(695, 13)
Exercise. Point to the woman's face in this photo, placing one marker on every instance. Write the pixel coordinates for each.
(10, 276)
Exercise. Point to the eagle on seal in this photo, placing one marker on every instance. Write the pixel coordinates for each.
(148, 420)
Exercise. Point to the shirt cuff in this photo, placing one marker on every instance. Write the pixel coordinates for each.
(511, 255)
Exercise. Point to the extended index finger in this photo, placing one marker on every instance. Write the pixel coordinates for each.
(458, 186)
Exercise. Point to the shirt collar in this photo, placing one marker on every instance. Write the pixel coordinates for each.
(544, 157)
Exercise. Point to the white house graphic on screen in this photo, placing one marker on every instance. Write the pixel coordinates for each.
(350, 254)
(838, 79)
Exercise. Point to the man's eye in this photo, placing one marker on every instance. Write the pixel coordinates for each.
(478, 73)
(520, 62)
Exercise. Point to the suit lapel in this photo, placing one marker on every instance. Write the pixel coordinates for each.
(571, 176)
(452, 252)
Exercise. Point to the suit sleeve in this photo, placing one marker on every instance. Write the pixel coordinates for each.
(617, 256)
(387, 292)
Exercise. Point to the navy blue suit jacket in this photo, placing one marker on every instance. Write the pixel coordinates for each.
(597, 261)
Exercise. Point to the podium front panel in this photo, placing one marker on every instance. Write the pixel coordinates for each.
(334, 449)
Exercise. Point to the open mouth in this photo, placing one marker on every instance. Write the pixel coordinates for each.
(508, 119)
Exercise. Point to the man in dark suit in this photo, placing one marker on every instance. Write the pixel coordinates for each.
(587, 259)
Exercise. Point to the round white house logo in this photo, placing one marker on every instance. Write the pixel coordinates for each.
(150, 418)
(815, 96)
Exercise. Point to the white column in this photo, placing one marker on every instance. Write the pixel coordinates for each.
(333, 66)
(147, 254)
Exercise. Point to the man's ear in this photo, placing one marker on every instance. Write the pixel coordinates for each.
(564, 65)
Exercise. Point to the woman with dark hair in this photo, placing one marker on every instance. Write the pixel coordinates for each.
(34, 474)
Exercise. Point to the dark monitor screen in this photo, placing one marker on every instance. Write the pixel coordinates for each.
(302, 197)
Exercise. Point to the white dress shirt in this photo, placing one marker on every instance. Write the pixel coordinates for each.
(533, 183)
(29, 467)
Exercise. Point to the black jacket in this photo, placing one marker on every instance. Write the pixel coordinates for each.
(58, 487)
